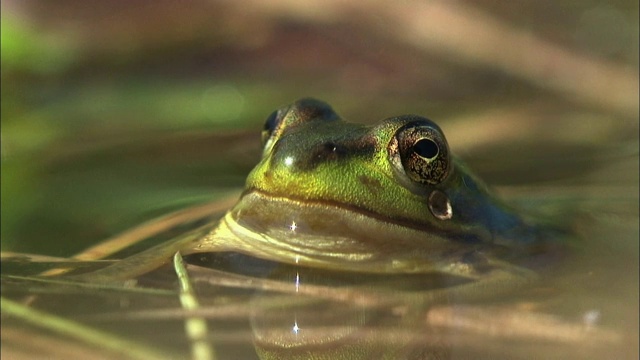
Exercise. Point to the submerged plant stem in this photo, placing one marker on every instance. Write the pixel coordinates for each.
(195, 326)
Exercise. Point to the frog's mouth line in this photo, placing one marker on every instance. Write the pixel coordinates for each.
(467, 236)
(323, 234)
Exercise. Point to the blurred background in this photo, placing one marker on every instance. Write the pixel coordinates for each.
(116, 112)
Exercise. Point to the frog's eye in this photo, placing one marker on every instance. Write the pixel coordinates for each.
(420, 151)
(270, 125)
(299, 113)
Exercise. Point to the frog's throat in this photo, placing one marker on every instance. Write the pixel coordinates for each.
(323, 235)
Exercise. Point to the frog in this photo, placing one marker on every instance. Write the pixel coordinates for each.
(388, 198)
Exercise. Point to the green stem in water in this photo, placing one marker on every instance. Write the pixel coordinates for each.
(195, 326)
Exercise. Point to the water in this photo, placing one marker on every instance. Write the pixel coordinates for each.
(584, 307)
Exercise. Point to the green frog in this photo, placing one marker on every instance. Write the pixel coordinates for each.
(387, 198)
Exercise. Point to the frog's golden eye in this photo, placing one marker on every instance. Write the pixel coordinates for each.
(421, 151)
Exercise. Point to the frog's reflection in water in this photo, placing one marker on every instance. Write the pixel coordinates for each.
(305, 313)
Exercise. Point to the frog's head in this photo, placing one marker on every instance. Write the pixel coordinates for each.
(395, 170)
(338, 190)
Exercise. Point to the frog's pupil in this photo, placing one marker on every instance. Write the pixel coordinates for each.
(426, 148)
